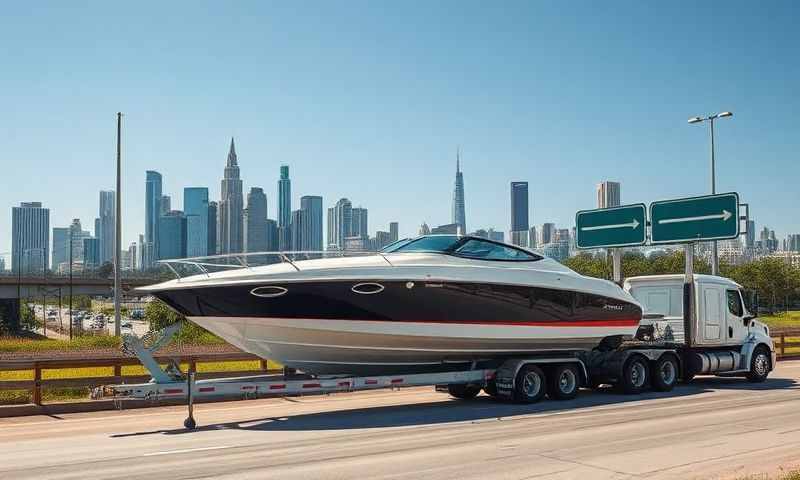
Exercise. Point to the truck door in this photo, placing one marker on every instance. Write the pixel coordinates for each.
(713, 315)
(735, 332)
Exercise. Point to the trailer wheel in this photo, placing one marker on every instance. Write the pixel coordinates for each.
(463, 391)
(564, 382)
(530, 385)
(634, 375)
(759, 365)
(491, 388)
(665, 373)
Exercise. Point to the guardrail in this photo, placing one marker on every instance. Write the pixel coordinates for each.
(37, 384)
(780, 336)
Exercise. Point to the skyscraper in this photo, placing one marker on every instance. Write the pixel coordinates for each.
(547, 234)
(459, 216)
(608, 194)
(394, 231)
(272, 235)
(30, 237)
(360, 224)
(105, 236)
(212, 228)
(195, 207)
(172, 235)
(284, 209)
(340, 222)
(750, 236)
(60, 246)
(91, 253)
(152, 210)
(231, 206)
(519, 213)
(166, 204)
(311, 232)
(255, 221)
(297, 225)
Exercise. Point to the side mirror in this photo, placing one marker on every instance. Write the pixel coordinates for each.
(747, 319)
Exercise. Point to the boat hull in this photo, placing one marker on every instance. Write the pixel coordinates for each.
(410, 325)
(358, 347)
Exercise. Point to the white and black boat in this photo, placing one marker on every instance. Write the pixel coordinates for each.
(424, 304)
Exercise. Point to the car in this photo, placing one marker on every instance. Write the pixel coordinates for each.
(127, 325)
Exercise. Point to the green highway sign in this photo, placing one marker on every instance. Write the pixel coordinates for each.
(611, 227)
(712, 217)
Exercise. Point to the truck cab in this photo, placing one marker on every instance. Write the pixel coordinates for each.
(720, 321)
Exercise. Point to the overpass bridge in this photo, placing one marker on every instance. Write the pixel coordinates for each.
(13, 289)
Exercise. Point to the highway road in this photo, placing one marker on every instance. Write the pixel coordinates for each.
(713, 428)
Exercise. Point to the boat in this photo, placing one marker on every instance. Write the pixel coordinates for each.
(424, 304)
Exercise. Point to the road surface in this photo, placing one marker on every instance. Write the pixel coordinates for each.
(714, 428)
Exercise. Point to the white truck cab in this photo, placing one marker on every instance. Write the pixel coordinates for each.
(721, 327)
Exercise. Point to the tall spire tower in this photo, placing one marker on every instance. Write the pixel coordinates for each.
(231, 214)
(459, 217)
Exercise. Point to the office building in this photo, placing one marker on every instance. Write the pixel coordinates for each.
(608, 194)
(533, 238)
(311, 231)
(382, 239)
(2, 264)
(105, 236)
(91, 253)
(284, 209)
(447, 229)
(360, 224)
(459, 216)
(212, 228)
(140, 253)
(133, 257)
(495, 235)
(255, 221)
(30, 238)
(165, 204)
(231, 207)
(172, 235)
(340, 222)
(394, 231)
(60, 246)
(793, 243)
(152, 211)
(297, 224)
(750, 235)
(272, 235)
(519, 213)
(547, 234)
(195, 207)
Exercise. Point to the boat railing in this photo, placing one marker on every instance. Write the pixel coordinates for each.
(183, 267)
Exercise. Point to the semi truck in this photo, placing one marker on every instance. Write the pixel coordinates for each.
(692, 325)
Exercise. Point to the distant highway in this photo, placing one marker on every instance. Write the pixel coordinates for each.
(714, 428)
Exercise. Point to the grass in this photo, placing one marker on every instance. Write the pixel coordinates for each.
(9, 397)
(33, 345)
(790, 475)
(782, 320)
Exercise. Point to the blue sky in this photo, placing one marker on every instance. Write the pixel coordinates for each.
(369, 100)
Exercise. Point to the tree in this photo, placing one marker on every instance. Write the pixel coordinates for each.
(160, 316)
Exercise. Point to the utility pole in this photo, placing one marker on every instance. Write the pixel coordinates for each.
(118, 230)
(71, 238)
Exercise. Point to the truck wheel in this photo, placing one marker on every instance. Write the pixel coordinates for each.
(759, 365)
(463, 391)
(530, 385)
(665, 373)
(564, 382)
(634, 375)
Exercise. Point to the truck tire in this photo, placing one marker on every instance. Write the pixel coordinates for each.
(463, 391)
(634, 375)
(564, 382)
(759, 365)
(530, 384)
(664, 373)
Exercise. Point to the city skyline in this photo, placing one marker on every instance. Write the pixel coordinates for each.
(378, 118)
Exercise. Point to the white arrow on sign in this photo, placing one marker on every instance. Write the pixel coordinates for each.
(635, 223)
(724, 216)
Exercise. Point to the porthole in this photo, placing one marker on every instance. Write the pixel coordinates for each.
(367, 288)
(270, 291)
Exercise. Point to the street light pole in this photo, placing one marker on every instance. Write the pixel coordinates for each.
(710, 119)
(118, 231)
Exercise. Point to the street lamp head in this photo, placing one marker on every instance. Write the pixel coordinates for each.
(695, 120)
(724, 114)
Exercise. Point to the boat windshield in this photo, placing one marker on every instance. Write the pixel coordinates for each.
(467, 247)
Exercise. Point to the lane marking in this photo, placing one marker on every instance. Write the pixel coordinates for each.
(186, 450)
